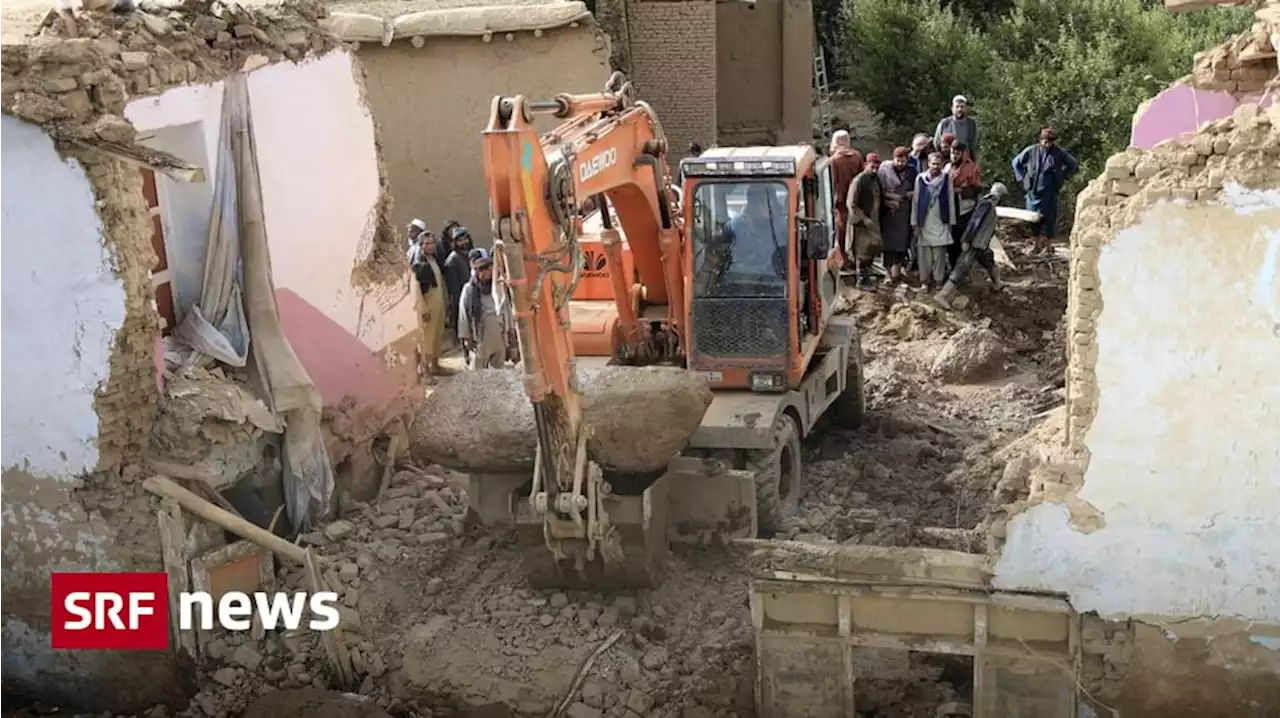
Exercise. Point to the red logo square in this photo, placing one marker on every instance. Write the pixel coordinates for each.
(110, 611)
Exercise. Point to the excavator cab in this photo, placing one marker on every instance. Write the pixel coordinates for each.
(759, 254)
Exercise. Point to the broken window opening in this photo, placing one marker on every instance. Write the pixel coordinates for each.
(161, 276)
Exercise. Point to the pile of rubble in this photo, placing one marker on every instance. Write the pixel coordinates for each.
(76, 73)
(438, 620)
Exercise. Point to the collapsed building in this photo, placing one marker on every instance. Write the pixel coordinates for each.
(195, 182)
(1158, 524)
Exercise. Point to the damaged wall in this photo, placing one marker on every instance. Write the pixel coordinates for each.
(432, 103)
(77, 404)
(1174, 318)
(81, 395)
(320, 186)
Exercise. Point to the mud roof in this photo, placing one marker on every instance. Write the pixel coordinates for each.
(384, 21)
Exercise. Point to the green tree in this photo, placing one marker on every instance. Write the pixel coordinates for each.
(907, 58)
(1080, 66)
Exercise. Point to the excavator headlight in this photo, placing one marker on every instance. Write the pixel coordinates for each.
(768, 381)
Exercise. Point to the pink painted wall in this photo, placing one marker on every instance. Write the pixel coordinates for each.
(318, 206)
(340, 364)
(1182, 109)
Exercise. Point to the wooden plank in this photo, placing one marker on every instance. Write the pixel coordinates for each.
(981, 691)
(165, 487)
(794, 560)
(848, 687)
(172, 545)
(335, 645)
(921, 644)
(167, 164)
(1021, 215)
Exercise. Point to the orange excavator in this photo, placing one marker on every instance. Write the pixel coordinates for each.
(605, 260)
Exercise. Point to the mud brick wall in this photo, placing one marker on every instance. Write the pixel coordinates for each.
(673, 56)
(1106, 649)
(72, 78)
(127, 405)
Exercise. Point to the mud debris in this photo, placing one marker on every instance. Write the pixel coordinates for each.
(439, 621)
(971, 354)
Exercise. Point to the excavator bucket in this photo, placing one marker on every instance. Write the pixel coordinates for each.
(634, 552)
(696, 501)
(709, 502)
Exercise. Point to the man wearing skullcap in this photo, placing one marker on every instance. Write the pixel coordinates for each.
(1043, 168)
(846, 163)
(960, 124)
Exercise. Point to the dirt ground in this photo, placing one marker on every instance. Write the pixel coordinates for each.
(442, 623)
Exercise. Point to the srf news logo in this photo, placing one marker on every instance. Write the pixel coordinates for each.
(130, 611)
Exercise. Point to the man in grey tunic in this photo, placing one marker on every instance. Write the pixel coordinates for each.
(960, 124)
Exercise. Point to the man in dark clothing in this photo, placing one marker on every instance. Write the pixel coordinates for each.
(959, 124)
(457, 267)
(444, 247)
(846, 163)
(1043, 169)
(483, 320)
(966, 182)
(897, 181)
(921, 148)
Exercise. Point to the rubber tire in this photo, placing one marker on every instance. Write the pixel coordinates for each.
(771, 506)
(851, 406)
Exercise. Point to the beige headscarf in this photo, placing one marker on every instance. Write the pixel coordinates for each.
(841, 140)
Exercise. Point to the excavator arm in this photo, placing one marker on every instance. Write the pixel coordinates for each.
(608, 146)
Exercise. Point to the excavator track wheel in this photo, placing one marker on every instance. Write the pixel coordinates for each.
(778, 476)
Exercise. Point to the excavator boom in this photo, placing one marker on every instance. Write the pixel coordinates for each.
(609, 149)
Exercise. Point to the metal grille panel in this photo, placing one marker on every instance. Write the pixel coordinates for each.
(740, 328)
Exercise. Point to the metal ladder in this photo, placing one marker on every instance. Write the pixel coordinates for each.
(822, 89)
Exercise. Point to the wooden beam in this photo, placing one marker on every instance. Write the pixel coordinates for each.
(165, 487)
(165, 163)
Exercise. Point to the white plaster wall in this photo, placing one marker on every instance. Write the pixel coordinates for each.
(1185, 447)
(317, 154)
(319, 174)
(62, 306)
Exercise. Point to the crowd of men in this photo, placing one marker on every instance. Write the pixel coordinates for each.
(912, 212)
(453, 292)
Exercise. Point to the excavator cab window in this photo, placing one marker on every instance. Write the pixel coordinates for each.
(740, 239)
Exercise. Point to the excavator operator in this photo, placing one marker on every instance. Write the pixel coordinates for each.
(759, 237)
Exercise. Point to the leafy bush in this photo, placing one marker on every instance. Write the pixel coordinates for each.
(1080, 66)
(907, 58)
